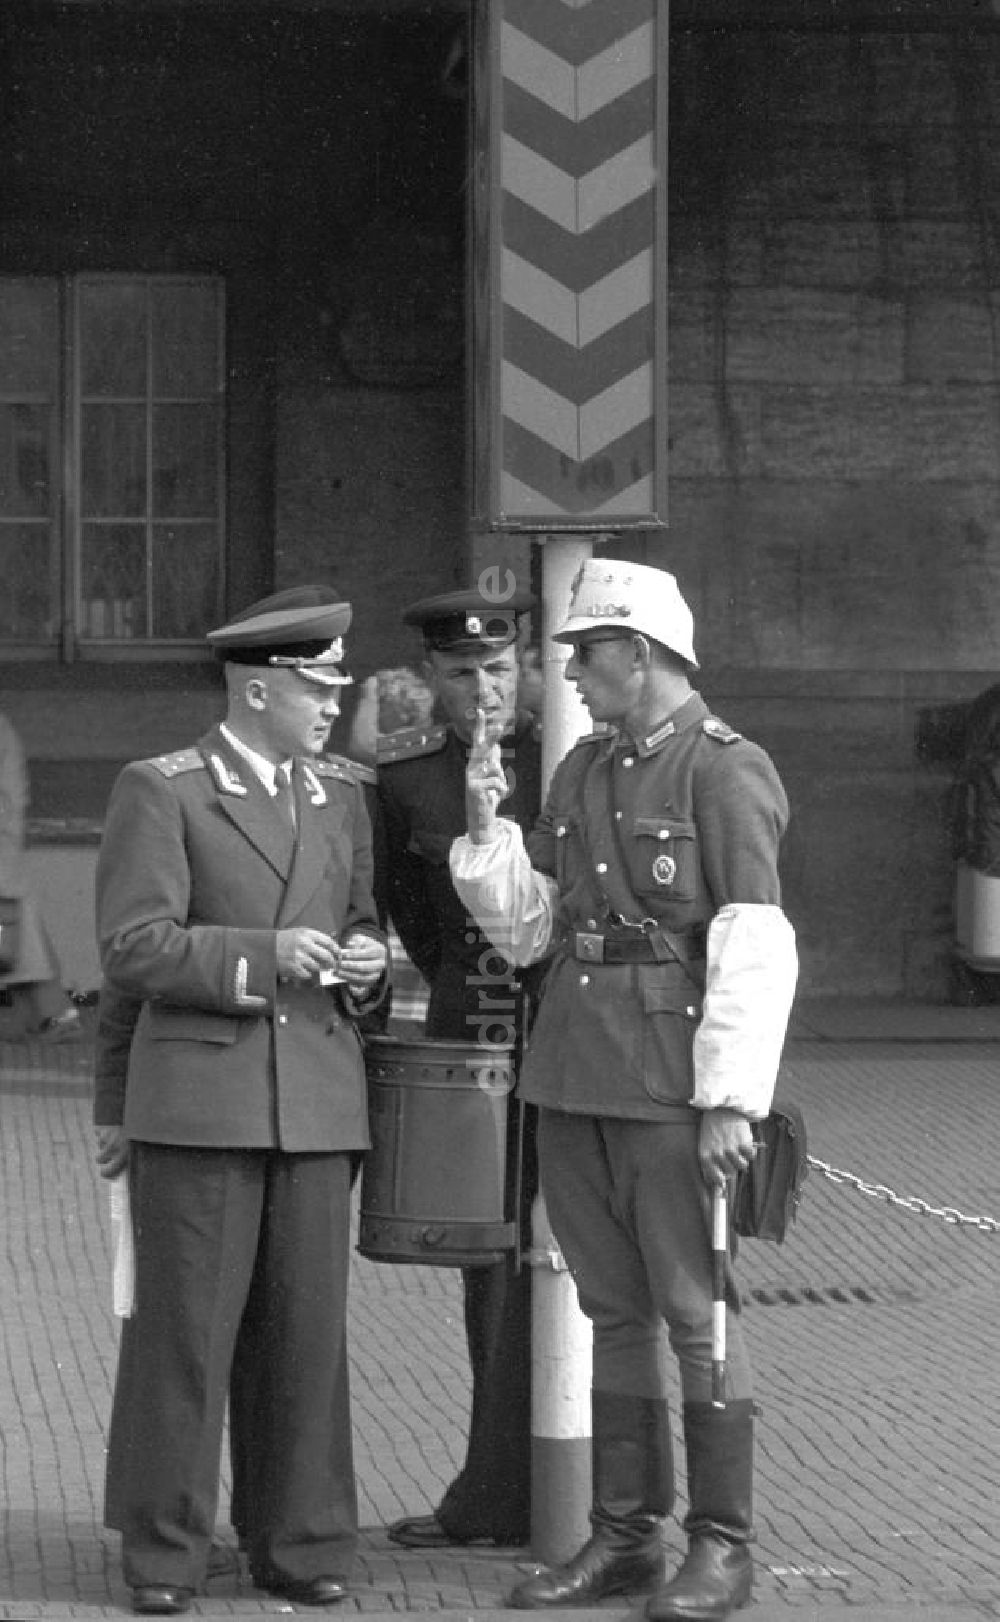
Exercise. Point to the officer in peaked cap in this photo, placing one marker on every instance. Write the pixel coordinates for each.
(462, 621)
(240, 941)
(651, 883)
(301, 629)
(471, 660)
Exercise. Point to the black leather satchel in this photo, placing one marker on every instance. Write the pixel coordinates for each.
(767, 1193)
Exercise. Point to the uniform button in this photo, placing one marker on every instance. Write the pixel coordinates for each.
(628, 761)
(602, 867)
(282, 1019)
(585, 979)
(664, 833)
(691, 1010)
(591, 923)
(618, 816)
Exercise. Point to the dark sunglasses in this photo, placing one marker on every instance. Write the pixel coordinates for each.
(583, 650)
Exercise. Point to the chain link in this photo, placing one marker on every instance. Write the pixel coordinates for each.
(919, 1207)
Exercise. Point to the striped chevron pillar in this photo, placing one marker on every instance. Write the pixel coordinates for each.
(568, 436)
(569, 264)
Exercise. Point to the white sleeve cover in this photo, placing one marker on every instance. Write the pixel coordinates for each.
(751, 972)
(511, 902)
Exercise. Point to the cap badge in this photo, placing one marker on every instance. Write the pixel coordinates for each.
(664, 870)
(474, 624)
(606, 610)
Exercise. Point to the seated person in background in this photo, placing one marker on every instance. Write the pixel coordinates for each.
(33, 976)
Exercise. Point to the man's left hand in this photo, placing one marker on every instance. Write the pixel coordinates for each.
(112, 1150)
(725, 1145)
(362, 961)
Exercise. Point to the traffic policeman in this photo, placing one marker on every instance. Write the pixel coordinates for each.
(652, 879)
(471, 662)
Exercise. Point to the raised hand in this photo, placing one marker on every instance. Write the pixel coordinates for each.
(485, 783)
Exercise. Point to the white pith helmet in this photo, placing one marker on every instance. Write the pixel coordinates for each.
(633, 597)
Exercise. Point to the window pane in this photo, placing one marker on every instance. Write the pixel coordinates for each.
(29, 601)
(24, 460)
(185, 461)
(113, 448)
(113, 581)
(185, 340)
(186, 579)
(29, 337)
(113, 338)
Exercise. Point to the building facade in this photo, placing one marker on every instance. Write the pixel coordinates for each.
(233, 356)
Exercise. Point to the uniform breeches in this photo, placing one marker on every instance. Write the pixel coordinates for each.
(632, 1215)
(228, 1242)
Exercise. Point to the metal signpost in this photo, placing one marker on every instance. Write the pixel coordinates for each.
(568, 436)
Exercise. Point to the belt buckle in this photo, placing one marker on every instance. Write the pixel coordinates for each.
(588, 946)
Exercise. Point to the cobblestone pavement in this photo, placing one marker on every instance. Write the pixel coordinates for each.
(874, 1334)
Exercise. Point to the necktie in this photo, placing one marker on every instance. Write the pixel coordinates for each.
(284, 784)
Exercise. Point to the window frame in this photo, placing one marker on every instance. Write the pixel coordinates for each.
(71, 645)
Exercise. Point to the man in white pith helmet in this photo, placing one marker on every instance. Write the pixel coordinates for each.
(651, 878)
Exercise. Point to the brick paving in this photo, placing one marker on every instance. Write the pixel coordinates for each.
(873, 1331)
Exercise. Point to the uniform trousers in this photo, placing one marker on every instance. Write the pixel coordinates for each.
(491, 1495)
(632, 1214)
(228, 1241)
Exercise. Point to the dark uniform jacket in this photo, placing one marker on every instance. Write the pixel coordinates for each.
(198, 869)
(421, 796)
(667, 830)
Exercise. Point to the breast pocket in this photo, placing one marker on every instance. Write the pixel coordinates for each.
(663, 858)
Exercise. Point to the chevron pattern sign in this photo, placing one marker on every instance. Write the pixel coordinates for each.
(569, 264)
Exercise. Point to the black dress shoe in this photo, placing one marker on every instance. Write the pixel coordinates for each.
(305, 1590)
(422, 1532)
(161, 1599)
(426, 1532)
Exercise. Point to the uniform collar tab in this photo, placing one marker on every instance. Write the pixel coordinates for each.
(690, 712)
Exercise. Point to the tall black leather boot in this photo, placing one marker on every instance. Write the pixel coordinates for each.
(716, 1575)
(633, 1491)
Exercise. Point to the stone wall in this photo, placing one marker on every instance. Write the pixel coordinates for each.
(834, 430)
(833, 409)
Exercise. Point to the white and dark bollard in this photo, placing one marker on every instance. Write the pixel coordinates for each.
(561, 1368)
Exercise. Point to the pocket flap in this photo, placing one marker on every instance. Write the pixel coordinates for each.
(681, 999)
(165, 1024)
(663, 828)
(430, 847)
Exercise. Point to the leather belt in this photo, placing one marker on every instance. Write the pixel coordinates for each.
(592, 946)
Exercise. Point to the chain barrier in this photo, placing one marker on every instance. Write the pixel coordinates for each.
(919, 1207)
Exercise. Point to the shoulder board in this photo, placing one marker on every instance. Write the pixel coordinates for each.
(410, 743)
(714, 728)
(340, 766)
(182, 760)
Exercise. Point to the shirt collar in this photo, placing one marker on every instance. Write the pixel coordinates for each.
(262, 768)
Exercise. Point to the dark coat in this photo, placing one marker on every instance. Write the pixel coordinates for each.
(199, 868)
(421, 800)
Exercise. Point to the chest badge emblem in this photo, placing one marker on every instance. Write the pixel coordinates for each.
(664, 870)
